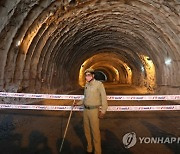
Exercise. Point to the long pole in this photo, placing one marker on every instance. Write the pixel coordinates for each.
(67, 127)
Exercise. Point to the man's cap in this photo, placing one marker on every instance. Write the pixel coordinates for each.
(89, 70)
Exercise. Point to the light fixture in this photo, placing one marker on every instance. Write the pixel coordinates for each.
(18, 43)
(168, 61)
(142, 68)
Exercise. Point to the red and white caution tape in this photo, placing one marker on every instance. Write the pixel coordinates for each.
(144, 108)
(79, 97)
(80, 108)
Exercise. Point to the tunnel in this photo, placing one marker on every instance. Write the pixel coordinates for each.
(133, 46)
(47, 44)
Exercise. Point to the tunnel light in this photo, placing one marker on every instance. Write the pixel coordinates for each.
(142, 68)
(168, 61)
(18, 43)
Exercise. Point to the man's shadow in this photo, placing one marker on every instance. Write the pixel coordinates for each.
(111, 144)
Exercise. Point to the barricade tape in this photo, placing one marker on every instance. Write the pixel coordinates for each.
(79, 97)
(80, 108)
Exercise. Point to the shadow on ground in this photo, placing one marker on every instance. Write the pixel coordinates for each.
(157, 132)
(11, 142)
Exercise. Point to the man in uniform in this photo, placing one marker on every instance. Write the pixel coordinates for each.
(94, 97)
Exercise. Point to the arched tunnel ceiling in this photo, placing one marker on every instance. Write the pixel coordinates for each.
(44, 42)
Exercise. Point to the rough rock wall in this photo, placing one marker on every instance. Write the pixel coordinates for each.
(44, 42)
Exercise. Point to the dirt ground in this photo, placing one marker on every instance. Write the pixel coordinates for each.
(41, 132)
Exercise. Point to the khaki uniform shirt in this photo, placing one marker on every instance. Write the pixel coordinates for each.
(95, 95)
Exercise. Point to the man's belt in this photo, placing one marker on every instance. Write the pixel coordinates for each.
(91, 107)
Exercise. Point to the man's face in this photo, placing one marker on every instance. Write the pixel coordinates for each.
(89, 76)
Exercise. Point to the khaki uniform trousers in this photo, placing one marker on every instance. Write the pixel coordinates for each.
(91, 129)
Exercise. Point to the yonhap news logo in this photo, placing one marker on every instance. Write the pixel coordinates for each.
(130, 139)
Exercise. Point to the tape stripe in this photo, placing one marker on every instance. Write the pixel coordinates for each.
(79, 97)
(80, 108)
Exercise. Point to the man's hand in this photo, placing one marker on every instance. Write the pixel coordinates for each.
(75, 104)
(78, 103)
(101, 115)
